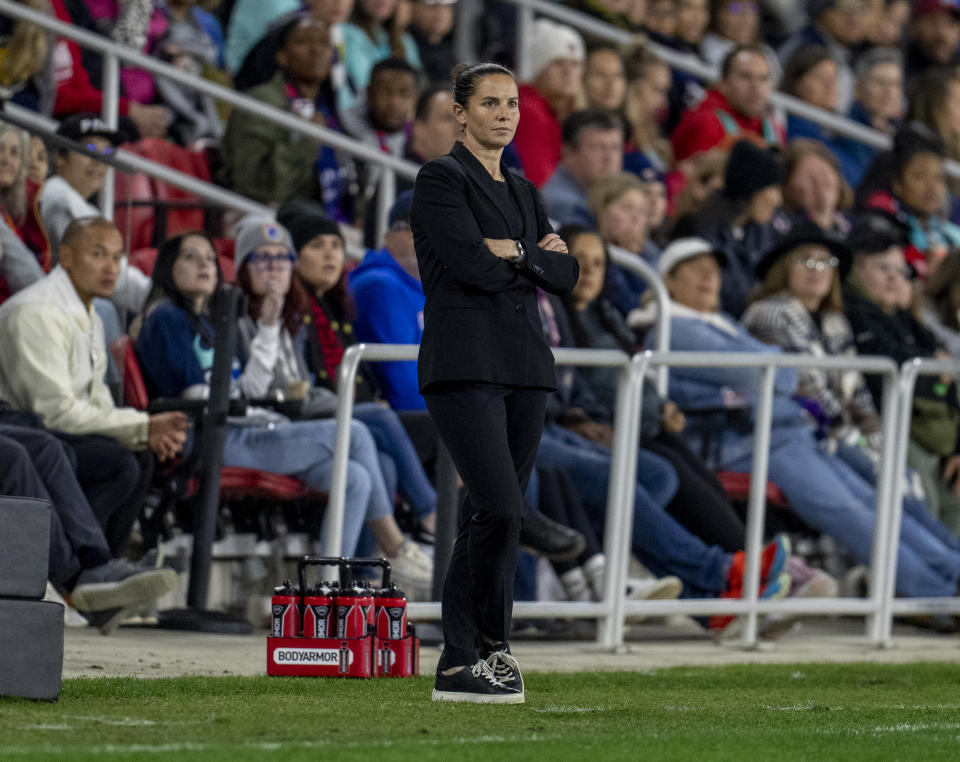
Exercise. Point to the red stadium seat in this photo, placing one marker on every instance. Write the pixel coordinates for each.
(737, 487)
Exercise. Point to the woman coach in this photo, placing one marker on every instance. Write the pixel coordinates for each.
(483, 246)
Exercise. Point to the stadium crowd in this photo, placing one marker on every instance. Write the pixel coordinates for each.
(771, 233)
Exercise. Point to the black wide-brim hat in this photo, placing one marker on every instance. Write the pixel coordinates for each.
(802, 233)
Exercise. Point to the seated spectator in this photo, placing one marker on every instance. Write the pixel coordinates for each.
(660, 20)
(555, 55)
(738, 108)
(193, 42)
(81, 566)
(270, 164)
(618, 13)
(693, 19)
(700, 503)
(389, 299)
(733, 23)
(936, 105)
(431, 27)
(65, 198)
(878, 103)
(377, 31)
(839, 26)
(703, 176)
(811, 75)
(871, 298)
(38, 166)
(248, 20)
(941, 303)
(78, 92)
(741, 220)
(54, 363)
(814, 188)
(887, 23)
(592, 151)
(174, 348)
(823, 490)
(434, 129)
(26, 74)
(933, 37)
(382, 121)
(604, 78)
(645, 108)
(19, 266)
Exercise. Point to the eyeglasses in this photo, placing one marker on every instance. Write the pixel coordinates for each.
(262, 261)
(198, 260)
(820, 265)
(93, 148)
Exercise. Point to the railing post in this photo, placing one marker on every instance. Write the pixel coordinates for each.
(890, 475)
(521, 58)
(111, 115)
(333, 518)
(756, 503)
(464, 40)
(386, 195)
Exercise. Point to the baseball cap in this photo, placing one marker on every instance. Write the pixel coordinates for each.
(683, 249)
(81, 126)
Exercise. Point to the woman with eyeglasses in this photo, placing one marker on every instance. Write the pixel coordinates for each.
(175, 349)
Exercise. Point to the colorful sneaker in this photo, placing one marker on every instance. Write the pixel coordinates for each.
(726, 626)
(773, 560)
(474, 685)
(805, 582)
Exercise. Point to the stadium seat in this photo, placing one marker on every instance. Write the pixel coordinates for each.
(737, 487)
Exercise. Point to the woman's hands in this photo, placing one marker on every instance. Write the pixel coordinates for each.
(506, 248)
(272, 305)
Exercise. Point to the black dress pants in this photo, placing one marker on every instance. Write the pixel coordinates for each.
(115, 481)
(492, 433)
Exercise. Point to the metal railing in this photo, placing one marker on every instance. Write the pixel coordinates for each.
(113, 54)
(612, 610)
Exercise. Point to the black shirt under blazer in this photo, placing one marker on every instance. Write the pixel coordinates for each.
(481, 320)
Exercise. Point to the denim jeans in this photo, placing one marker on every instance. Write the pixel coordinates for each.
(658, 540)
(406, 470)
(832, 498)
(304, 449)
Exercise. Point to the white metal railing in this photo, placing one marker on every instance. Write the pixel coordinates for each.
(610, 612)
(113, 54)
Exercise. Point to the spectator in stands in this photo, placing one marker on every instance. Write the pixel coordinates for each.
(382, 121)
(431, 27)
(814, 188)
(555, 54)
(38, 166)
(434, 129)
(878, 103)
(81, 566)
(811, 74)
(700, 504)
(840, 27)
(376, 31)
(604, 78)
(592, 150)
(941, 304)
(389, 299)
(54, 362)
(739, 107)
(880, 327)
(887, 23)
(174, 348)
(693, 18)
(270, 164)
(248, 20)
(933, 37)
(65, 198)
(26, 71)
(703, 176)
(19, 265)
(660, 20)
(645, 108)
(78, 93)
(618, 13)
(823, 490)
(741, 220)
(936, 104)
(732, 23)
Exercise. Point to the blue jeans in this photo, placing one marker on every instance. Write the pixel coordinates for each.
(401, 466)
(304, 449)
(659, 542)
(832, 498)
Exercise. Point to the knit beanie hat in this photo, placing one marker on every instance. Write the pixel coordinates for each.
(254, 232)
(549, 41)
(750, 169)
(305, 220)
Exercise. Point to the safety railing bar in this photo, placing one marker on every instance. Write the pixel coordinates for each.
(683, 359)
(245, 103)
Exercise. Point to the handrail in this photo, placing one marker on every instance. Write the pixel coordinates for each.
(691, 65)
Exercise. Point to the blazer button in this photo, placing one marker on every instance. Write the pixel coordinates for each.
(519, 308)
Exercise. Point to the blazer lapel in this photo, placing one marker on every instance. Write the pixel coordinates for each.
(480, 177)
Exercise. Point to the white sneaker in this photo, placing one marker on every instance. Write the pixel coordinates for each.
(663, 589)
(411, 564)
(71, 617)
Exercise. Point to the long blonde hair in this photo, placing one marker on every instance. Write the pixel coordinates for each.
(26, 52)
(13, 199)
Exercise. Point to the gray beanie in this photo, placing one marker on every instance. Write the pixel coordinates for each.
(254, 232)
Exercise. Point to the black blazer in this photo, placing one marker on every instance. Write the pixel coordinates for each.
(481, 321)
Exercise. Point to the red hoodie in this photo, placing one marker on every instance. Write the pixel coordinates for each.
(75, 91)
(701, 128)
(538, 140)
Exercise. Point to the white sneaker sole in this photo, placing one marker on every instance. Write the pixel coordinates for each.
(138, 588)
(667, 589)
(478, 698)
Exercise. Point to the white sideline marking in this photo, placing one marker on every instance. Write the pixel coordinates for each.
(570, 709)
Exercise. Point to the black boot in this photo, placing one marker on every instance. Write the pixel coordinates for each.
(550, 539)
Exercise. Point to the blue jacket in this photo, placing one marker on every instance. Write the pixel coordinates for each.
(854, 157)
(390, 311)
(565, 201)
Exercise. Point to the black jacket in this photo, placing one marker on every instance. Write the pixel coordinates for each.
(481, 321)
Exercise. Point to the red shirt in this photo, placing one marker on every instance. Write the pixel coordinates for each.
(538, 140)
(701, 129)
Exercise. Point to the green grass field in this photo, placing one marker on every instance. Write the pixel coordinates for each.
(812, 712)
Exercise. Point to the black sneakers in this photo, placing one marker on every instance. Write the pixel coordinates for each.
(506, 669)
(477, 685)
